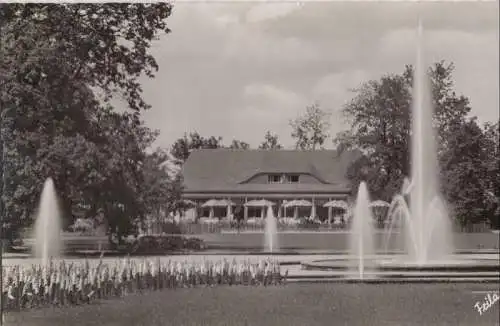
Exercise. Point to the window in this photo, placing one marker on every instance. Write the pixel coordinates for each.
(274, 178)
(292, 178)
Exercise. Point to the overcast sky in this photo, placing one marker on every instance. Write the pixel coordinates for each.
(239, 69)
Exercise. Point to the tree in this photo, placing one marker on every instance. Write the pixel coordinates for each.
(238, 144)
(491, 183)
(311, 129)
(451, 109)
(125, 140)
(104, 46)
(163, 185)
(110, 176)
(380, 127)
(54, 59)
(182, 147)
(174, 194)
(379, 119)
(270, 141)
(98, 173)
(159, 188)
(465, 172)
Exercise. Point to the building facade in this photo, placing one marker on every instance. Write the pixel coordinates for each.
(240, 178)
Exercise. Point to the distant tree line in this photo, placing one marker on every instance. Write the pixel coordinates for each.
(182, 147)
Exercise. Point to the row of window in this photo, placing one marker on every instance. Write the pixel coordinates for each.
(283, 178)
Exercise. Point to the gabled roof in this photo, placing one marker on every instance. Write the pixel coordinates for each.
(218, 170)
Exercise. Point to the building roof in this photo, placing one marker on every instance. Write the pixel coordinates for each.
(227, 170)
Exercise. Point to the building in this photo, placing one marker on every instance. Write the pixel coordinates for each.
(242, 179)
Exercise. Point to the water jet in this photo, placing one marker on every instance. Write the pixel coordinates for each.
(362, 245)
(271, 232)
(425, 223)
(48, 225)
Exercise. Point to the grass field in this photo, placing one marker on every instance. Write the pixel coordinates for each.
(291, 305)
(331, 240)
(305, 241)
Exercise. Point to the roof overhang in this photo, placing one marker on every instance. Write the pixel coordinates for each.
(262, 194)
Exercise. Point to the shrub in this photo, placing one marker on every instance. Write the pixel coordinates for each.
(171, 228)
(165, 243)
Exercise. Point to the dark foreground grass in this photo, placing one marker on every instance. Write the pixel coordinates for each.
(291, 305)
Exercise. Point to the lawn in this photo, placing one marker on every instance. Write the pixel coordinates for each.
(293, 304)
(299, 241)
(331, 241)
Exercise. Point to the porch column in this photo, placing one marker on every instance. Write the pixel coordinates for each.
(262, 211)
(329, 214)
(279, 203)
(296, 212)
(313, 208)
(229, 211)
(245, 210)
(211, 214)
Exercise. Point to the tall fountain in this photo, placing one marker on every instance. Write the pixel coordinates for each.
(362, 245)
(417, 218)
(424, 221)
(48, 224)
(271, 231)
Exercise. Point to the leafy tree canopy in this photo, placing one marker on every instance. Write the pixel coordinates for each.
(271, 141)
(379, 119)
(103, 46)
(182, 147)
(238, 144)
(59, 66)
(310, 130)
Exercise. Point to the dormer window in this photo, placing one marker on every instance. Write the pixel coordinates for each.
(274, 178)
(283, 178)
